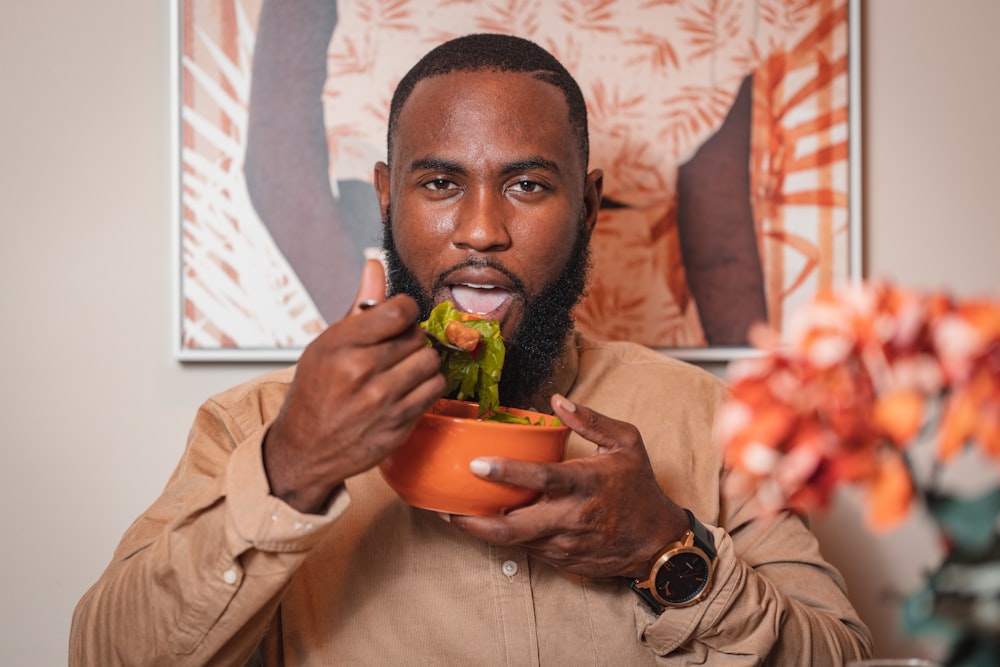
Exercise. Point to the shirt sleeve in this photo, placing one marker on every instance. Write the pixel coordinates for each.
(198, 577)
(774, 601)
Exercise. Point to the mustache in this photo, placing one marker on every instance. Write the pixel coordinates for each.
(479, 263)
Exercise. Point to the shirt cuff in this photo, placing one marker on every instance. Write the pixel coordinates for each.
(675, 627)
(266, 522)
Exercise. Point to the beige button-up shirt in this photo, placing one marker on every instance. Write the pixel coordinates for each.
(218, 571)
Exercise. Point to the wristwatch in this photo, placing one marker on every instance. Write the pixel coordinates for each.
(681, 574)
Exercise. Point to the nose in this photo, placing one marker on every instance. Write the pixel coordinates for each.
(482, 222)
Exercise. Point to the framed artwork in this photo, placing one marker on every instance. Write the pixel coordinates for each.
(728, 132)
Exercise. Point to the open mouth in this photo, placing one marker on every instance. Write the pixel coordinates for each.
(479, 299)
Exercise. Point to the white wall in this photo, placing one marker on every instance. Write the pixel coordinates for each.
(95, 410)
(931, 105)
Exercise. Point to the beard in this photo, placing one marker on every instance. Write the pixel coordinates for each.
(540, 337)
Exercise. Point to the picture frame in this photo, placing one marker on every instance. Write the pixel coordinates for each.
(249, 288)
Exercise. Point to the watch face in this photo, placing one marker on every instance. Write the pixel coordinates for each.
(682, 577)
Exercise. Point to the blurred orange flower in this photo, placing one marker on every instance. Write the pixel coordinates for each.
(844, 397)
(899, 415)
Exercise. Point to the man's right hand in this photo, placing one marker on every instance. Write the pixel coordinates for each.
(358, 390)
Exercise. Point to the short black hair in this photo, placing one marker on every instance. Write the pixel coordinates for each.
(500, 53)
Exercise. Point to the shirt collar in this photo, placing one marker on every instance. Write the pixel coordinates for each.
(564, 374)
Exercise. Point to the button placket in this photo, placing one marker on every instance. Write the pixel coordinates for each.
(511, 583)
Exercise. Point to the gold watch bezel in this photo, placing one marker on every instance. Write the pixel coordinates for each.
(684, 545)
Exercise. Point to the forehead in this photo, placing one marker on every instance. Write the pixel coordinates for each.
(486, 111)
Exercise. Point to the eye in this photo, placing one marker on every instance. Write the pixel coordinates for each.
(440, 185)
(527, 187)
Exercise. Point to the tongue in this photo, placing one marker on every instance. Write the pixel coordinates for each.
(478, 300)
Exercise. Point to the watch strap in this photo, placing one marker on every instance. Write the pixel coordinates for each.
(703, 539)
(646, 596)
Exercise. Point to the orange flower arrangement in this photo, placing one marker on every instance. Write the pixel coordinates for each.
(862, 375)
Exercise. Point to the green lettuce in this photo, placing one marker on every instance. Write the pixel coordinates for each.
(471, 375)
(474, 375)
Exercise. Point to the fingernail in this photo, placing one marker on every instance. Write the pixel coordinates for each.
(565, 403)
(480, 467)
(373, 253)
(445, 517)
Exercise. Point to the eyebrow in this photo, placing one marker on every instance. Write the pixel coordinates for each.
(438, 164)
(529, 164)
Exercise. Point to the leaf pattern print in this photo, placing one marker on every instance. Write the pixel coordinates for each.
(659, 77)
(711, 27)
(594, 15)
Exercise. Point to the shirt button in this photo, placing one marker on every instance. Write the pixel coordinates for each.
(230, 576)
(509, 568)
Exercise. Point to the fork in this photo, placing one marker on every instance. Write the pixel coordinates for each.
(441, 345)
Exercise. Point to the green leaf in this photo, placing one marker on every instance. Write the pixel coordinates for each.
(919, 616)
(507, 418)
(475, 375)
(969, 522)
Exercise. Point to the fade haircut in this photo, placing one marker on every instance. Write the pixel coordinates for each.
(498, 53)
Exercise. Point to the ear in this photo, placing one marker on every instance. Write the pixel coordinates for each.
(380, 178)
(592, 188)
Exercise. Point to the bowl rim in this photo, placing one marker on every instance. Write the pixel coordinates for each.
(531, 414)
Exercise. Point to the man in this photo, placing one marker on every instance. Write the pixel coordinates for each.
(276, 541)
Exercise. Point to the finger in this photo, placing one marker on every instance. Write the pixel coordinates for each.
(550, 478)
(392, 319)
(398, 412)
(415, 375)
(366, 353)
(521, 527)
(372, 287)
(415, 403)
(607, 433)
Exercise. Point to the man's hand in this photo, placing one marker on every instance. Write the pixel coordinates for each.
(599, 516)
(359, 388)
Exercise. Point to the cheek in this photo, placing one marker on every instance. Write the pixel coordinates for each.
(544, 251)
(550, 251)
(419, 237)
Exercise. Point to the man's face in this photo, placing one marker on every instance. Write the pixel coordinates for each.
(487, 203)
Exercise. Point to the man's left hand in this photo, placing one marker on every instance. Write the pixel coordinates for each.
(599, 516)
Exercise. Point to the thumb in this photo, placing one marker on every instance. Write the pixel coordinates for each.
(607, 433)
(372, 286)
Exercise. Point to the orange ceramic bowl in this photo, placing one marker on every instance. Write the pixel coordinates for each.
(431, 469)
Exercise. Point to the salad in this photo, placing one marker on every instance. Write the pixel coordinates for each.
(472, 373)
